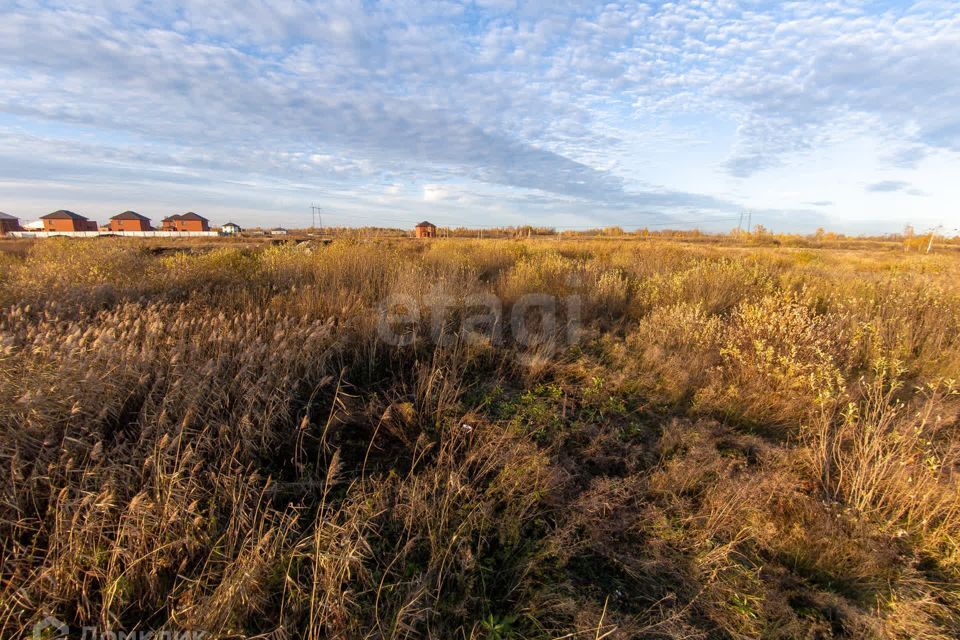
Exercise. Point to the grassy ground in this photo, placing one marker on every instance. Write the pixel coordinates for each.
(739, 441)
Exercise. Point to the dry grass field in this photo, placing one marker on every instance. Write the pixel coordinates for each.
(706, 440)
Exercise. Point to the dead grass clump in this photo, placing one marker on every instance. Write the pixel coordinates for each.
(91, 274)
(895, 462)
(717, 285)
(779, 360)
(674, 350)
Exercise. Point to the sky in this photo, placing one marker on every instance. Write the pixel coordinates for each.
(837, 114)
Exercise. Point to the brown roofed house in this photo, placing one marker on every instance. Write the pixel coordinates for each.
(169, 223)
(426, 230)
(186, 222)
(8, 223)
(67, 221)
(130, 221)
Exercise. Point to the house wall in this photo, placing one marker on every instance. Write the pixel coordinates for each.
(65, 225)
(129, 225)
(192, 225)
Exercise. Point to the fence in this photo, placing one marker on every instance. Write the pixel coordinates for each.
(131, 234)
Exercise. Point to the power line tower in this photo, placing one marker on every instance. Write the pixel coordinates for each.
(315, 216)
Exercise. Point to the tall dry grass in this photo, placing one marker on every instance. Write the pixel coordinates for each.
(746, 441)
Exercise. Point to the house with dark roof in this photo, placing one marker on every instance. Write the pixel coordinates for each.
(8, 223)
(130, 221)
(67, 221)
(230, 229)
(189, 221)
(193, 222)
(169, 223)
(426, 230)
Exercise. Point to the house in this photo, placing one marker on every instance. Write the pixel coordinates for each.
(67, 221)
(426, 230)
(130, 221)
(278, 231)
(169, 223)
(192, 222)
(8, 223)
(185, 222)
(230, 229)
(33, 225)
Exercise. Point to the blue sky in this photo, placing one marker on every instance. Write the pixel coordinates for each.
(840, 114)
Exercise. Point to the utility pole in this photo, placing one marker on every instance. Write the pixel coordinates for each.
(933, 232)
(315, 216)
(750, 222)
(740, 224)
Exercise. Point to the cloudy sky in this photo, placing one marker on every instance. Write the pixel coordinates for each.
(489, 112)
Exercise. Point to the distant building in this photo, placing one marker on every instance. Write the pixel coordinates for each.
(426, 230)
(230, 229)
(67, 221)
(169, 223)
(130, 221)
(193, 222)
(8, 223)
(35, 225)
(278, 231)
(185, 222)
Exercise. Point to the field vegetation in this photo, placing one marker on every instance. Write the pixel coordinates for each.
(742, 440)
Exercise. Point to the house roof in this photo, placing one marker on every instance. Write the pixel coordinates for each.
(232, 224)
(425, 224)
(173, 217)
(6, 216)
(190, 215)
(63, 214)
(130, 215)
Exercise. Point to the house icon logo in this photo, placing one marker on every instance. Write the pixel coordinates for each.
(50, 628)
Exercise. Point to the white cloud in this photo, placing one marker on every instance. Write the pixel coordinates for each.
(434, 193)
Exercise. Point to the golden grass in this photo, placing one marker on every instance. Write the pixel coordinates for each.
(746, 441)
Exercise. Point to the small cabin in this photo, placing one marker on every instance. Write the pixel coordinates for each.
(8, 223)
(130, 221)
(426, 230)
(278, 231)
(67, 222)
(230, 229)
